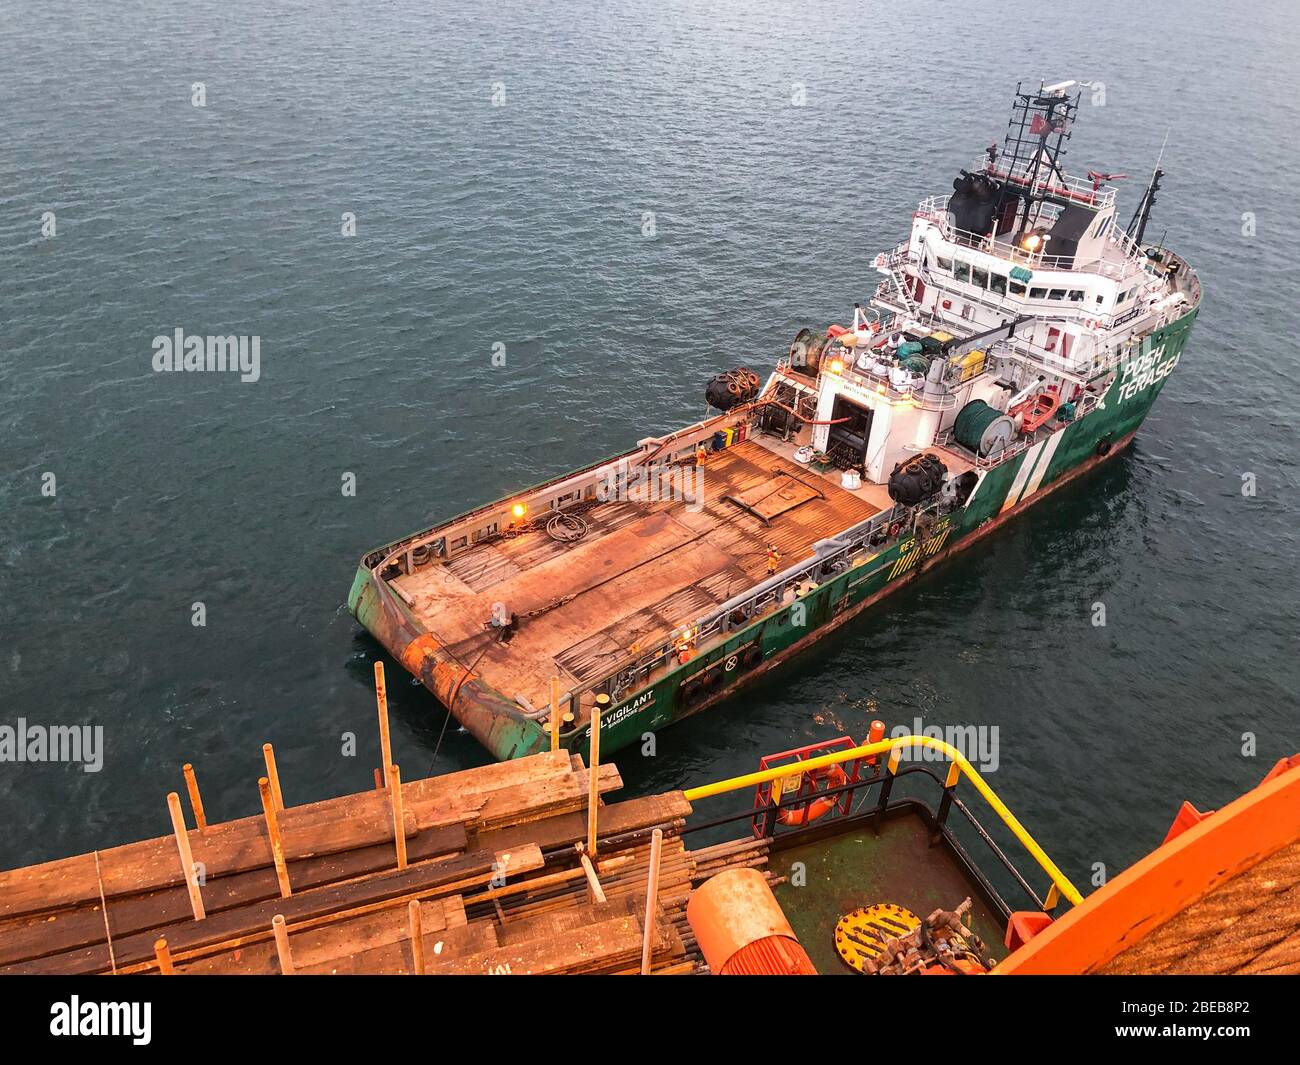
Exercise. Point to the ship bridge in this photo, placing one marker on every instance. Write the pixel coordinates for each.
(1020, 236)
(1089, 303)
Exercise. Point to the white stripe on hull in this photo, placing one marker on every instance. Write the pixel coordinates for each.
(1032, 471)
(1022, 475)
(1049, 452)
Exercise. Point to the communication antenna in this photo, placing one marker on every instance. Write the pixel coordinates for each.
(1137, 227)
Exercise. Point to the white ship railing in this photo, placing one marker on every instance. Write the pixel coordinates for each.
(1058, 311)
(865, 379)
(1080, 190)
(948, 439)
(935, 211)
(1084, 405)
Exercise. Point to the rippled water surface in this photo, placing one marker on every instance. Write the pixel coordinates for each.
(522, 224)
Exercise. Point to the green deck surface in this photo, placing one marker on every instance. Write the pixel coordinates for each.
(859, 868)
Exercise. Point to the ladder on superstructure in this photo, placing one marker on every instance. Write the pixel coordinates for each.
(890, 264)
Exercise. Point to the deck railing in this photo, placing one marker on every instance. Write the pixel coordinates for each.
(959, 766)
(1075, 189)
(935, 210)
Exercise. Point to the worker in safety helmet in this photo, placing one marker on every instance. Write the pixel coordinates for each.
(773, 557)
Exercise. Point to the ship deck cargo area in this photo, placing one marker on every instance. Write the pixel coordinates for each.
(644, 568)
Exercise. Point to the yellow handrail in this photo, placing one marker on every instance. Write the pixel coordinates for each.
(895, 747)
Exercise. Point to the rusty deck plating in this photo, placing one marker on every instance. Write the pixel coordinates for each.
(644, 568)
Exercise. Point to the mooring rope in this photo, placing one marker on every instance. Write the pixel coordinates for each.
(455, 694)
(103, 909)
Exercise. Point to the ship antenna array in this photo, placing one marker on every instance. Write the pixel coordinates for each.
(1039, 127)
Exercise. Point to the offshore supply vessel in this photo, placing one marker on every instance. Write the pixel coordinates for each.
(1016, 339)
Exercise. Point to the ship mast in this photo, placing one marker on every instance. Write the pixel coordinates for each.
(1137, 226)
(1143, 213)
(1036, 135)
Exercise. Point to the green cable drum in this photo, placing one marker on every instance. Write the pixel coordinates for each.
(983, 429)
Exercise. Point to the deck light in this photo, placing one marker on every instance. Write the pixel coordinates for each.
(519, 510)
(837, 366)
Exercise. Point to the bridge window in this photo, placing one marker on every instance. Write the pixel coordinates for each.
(998, 284)
(1038, 293)
(1056, 294)
(961, 271)
(944, 264)
(1076, 295)
(979, 277)
(1017, 289)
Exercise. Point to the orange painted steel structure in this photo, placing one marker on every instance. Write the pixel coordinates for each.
(1168, 880)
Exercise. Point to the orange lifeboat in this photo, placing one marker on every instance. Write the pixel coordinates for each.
(1037, 409)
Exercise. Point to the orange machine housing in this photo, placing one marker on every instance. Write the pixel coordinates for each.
(742, 930)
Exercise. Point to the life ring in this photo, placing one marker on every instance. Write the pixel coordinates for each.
(896, 528)
(807, 813)
(753, 656)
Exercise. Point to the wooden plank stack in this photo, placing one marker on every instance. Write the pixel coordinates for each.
(491, 880)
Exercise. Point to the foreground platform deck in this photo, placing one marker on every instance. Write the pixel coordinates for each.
(893, 860)
(493, 872)
(644, 568)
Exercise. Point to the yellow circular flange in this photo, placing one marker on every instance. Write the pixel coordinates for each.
(860, 936)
